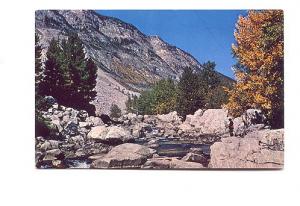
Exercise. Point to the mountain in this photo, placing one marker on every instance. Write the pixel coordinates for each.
(128, 60)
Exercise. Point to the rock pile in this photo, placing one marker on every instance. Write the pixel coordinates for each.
(149, 141)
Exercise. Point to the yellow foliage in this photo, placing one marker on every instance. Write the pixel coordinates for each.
(259, 48)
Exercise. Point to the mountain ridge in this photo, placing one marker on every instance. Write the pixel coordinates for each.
(129, 61)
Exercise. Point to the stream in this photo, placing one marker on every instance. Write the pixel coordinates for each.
(166, 147)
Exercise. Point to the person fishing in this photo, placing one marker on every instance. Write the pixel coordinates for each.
(230, 127)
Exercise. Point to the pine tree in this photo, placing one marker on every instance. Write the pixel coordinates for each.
(211, 85)
(69, 76)
(191, 96)
(38, 64)
(52, 72)
(80, 75)
(209, 77)
(88, 85)
(66, 84)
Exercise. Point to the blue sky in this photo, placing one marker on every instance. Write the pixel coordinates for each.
(205, 34)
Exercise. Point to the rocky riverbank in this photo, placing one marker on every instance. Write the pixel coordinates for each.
(156, 141)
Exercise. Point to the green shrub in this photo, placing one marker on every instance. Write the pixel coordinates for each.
(115, 111)
(43, 127)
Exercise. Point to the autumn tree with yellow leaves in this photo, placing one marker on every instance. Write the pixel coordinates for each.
(259, 51)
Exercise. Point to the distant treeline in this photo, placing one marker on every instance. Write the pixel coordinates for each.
(194, 90)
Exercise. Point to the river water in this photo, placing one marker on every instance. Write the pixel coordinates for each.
(166, 147)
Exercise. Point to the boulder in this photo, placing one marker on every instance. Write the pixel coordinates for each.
(57, 124)
(180, 164)
(196, 150)
(150, 119)
(50, 100)
(133, 118)
(49, 144)
(170, 117)
(58, 164)
(195, 116)
(258, 149)
(271, 139)
(170, 163)
(254, 116)
(53, 154)
(84, 124)
(94, 121)
(140, 118)
(98, 132)
(126, 155)
(211, 121)
(251, 120)
(45, 146)
(192, 157)
(76, 139)
(185, 127)
(82, 115)
(71, 128)
(110, 135)
(55, 106)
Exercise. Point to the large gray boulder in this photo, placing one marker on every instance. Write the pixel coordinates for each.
(258, 149)
(110, 135)
(171, 117)
(211, 121)
(251, 120)
(94, 121)
(126, 155)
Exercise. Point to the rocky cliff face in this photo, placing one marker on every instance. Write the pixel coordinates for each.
(128, 60)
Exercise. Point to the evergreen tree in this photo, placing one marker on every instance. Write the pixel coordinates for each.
(145, 103)
(87, 86)
(52, 72)
(217, 98)
(38, 64)
(81, 75)
(115, 111)
(209, 77)
(210, 81)
(69, 76)
(191, 94)
(66, 85)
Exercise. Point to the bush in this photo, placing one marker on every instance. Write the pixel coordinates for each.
(161, 99)
(43, 127)
(115, 111)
